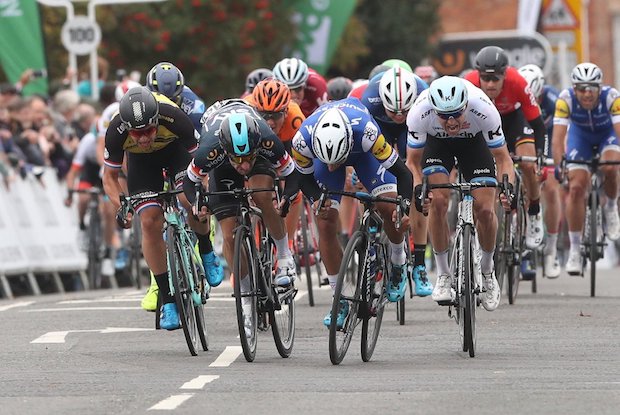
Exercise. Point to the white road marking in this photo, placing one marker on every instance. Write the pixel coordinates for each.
(171, 402)
(100, 300)
(47, 310)
(60, 336)
(199, 382)
(228, 356)
(20, 304)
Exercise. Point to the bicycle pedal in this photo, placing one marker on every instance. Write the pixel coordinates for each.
(446, 303)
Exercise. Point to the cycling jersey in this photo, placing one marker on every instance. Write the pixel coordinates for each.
(359, 90)
(106, 116)
(515, 94)
(546, 102)
(173, 125)
(481, 117)
(85, 160)
(210, 154)
(292, 121)
(192, 105)
(315, 92)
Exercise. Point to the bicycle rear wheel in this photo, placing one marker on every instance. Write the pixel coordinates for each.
(347, 291)
(244, 268)
(374, 306)
(467, 299)
(514, 270)
(180, 274)
(594, 212)
(503, 252)
(95, 257)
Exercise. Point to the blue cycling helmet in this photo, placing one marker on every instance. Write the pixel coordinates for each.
(166, 79)
(239, 135)
(448, 94)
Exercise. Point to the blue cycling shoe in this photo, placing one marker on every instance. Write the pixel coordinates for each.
(399, 276)
(342, 315)
(169, 317)
(423, 286)
(213, 269)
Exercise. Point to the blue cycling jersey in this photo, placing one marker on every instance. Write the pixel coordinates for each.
(192, 105)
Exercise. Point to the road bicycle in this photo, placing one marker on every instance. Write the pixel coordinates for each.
(259, 301)
(362, 279)
(467, 278)
(400, 305)
(593, 240)
(185, 271)
(95, 236)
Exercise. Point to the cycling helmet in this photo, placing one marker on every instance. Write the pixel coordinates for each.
(586, 73)
(398, 89)
(292, 71)
(138, 108)
(123, 87)
(166, 79)
(271, 95)
(394, 63)
(239, 134)
(255, 77)
(491, 59)
(338, 88)
(378, 69)
(534, 77)
(332, 137)
(448, 94)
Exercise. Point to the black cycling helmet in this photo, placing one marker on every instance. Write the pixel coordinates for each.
(491, 59)
(239, 135)
(339, 88)
(138, 108)
(166, 79)
(256, 76)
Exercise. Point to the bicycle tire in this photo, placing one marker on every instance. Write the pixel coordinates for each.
(375, 306)
(593, 202)
(514, 271)
(244, 258)
(503, 253)
(95, 259)
(135, 270)
(306, 252)
(179, 270)
(348, 289)
(199, 310)
(400, 311)
(468, 292)
(282, 320)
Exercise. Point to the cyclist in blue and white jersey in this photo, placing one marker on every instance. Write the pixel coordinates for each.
(340, 134)
(592, 110)
(388, 97)
(455, 120)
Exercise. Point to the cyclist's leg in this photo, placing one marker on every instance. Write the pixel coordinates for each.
(610, 151)
(550, 194)
(347, 207)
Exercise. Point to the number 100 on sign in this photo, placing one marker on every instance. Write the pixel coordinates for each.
(80, 35)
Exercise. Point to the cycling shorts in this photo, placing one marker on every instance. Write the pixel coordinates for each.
(517, 131)
(580, 143)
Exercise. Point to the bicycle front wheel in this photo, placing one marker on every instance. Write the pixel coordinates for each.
(375, 285)
(244, 269)
(347, 296)
(467, 299)
(95, 257)
(180, 273)
(594, 246)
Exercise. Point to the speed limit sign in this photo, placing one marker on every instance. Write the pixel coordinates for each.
(80, 35)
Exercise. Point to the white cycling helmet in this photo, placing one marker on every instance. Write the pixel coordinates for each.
(534, 77)
(448, 94)
(292, 71)
(586, 73)
(332, 138)
(398, 89)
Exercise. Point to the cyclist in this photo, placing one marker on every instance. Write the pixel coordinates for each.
(426, 72)
(308, 88)
(388, 97)
(339, 134)
(237, 143)
(592, 110)
(254, 78)
(272, 99)
(546, 95)
(338, 88)
(520, 115)
(154, 133)
(454, 119)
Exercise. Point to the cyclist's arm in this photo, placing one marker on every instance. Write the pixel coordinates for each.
(504, 163)
(414, 163)
(561, 121)
(558, 142)
(404, 179)
(540, 132)
(111, 185)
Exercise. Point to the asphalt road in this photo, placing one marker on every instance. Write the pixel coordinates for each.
(554, 352)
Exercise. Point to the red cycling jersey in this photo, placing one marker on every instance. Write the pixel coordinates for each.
(514, 95)
(358, 91)
(315, 93)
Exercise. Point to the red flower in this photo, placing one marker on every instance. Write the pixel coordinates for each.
(196, 3)
(249, 25)
(140, 16)
(165, 36)
(267, 15)
(262, 4)
(220, 15)
(160, 47)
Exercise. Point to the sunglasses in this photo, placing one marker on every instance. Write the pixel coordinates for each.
(241, 159)
(401, 112)
(139, 132)
(491, 77)
(447, 115)
(586, 88)
(270, 115)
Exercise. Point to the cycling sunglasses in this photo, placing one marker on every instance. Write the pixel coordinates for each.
(447, 115)
(270, 115)
(401, 112)
(587, 87)
(139, 132)
(488, 77)
(241, 159)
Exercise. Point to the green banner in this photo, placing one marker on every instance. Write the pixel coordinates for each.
(21, 42)
(320, 23)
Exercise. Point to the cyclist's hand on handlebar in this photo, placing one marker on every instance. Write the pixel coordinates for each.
(422, 206)
(506, 197)
(322, 213)
(202, 214)
(558, 172)
(404, 220)
(122, 220)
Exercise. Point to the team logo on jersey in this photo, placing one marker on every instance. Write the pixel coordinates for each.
(267, 144)
(212, 154)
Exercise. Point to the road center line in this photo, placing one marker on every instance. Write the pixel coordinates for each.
(199, 382)
(227, 356)
(171, 402)
(20, 304)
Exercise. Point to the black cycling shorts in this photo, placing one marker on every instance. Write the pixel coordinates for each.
(473, 155)
(517, 130)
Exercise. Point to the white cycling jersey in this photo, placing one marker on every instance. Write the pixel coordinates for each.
(481, 117)
(106, 117)
(86, 151)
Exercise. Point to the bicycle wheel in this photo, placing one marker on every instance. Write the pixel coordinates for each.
(594, 212)
(305, 251)
(199, 309)
(503, 252)
(514, 270)
(467, 300)
(400, 311)
(95, 241)
(374, 285)
(135, 254)
(244, 264)
(180, 273)
(347, 290)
